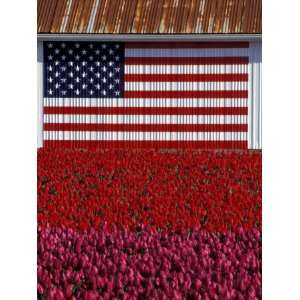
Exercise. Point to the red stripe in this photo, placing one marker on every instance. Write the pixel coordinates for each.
(147, 127)
(148, 144)
(187, 60)
(164, 45)
(146, 110)
(186, 77)
(186, 94)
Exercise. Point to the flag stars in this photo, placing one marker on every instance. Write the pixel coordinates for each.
(103, 92)
(117, 46)
(57, 63)
(103, 46)
(91, 57)
(98, 75)
(97, 51)
(56, 51)
(104, 69)
(63, 57)
(77, 79)
(117, 93)
(70, 63)
(97, 63)
(91, 92)
(70, 86)
(63, 92)
(77, 68)
(77, 45)
(57, 85)
(50, 92)
(111, 63)
(111, 87)
(83, 74)
(104, 80)
(110, 74)
(63, 45)
(77, 57)
(84, 86)
(84, 52)
(50, 79)
(56, 74)
(91, 68)
(50, 57)
(104, 57)
(84, 63)
(91, 80)
(77, 92)
(111, 51)
(71, 74)
(91, 46)
(50, 45)
(50, 68)
(70, 51)
(98, 86)
(63, 80)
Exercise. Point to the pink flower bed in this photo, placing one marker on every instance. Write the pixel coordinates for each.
(118, 263)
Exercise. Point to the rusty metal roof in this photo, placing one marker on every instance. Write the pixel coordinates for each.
(149, 16)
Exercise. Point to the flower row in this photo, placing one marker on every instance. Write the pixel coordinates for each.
(213, 190)
(118, 263)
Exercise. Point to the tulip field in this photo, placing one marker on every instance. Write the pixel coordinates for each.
(149, 224)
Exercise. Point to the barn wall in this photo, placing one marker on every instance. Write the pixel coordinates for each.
(40, 60)
(252, 136)
(255, 97)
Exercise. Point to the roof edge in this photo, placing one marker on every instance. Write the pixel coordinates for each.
(149, 37)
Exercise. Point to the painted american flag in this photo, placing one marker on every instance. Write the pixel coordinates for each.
(139, 95)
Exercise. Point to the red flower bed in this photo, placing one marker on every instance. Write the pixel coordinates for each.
(212, 190)
(146, 264)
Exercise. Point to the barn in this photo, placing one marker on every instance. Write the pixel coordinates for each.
(149, 74)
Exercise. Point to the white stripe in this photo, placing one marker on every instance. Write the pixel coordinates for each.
(186, 86)
(184, 69)
(146, 119)
(145, 136)
(189, 52)
(140, 102)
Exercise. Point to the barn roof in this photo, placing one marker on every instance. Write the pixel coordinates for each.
(149, 16)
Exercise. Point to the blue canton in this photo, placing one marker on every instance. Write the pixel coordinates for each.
(83, 69)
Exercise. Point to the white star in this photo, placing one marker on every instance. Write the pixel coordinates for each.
(56, 74)
(111, 63)
(84, 86)
(63, 57)
(91, 57)
(117, 58)
(97, 86)
(111, 86)
(63, 45)
(103, 92)
(104, 57)
(70, 51)
(98, 75)
(77, 79)
(104, 79)
(91, 69)
(56, 51)
(110, 74)
(70, 86)
(77, 92)
(77, 68)
(83, 74)
(104, 69)
(117, 46)
(98, 63)
(50, 57)
(103, 46)
(63, 80)
(57, 85)
(77, 57)
(50, 79)
(63, 68)
(83, 52)
(84, 63)
(91, 92)
(57, 63)
(71, 74)
(50, 68)
(50, 92)
(111, 51)
(77, 45)
(117, 93)
(50, 45)
(117, 80)
(91, 80)
(70, 63)
(117, 70)
(91, 46)
(63, 92)
(97, 51)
